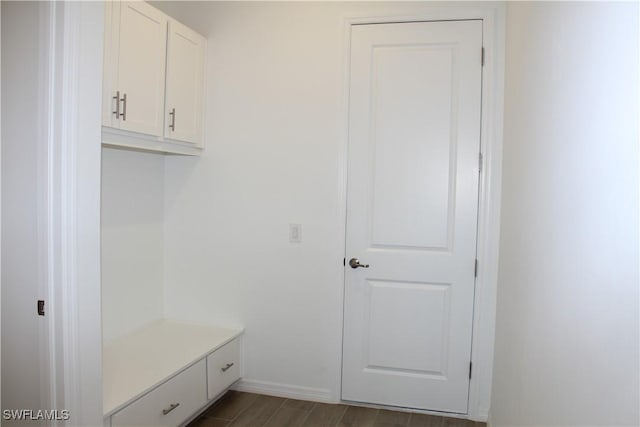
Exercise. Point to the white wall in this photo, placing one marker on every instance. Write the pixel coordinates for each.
(275, 139)
(132, 240)
(22, 182)
(273, 142)
(567, 321)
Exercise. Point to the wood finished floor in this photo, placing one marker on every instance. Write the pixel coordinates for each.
(237, 409)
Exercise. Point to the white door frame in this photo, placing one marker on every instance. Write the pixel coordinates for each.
(73, 114)
(493, 17)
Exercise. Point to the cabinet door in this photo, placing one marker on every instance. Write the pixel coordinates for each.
(141, 67)
(110, 100)
(185, 62)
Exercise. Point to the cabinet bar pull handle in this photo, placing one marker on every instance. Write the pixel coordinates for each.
(124, 107)
(226, 368)
(171, 408)
(172, 126)
(117, 99)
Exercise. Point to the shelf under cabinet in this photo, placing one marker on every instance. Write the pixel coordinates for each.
(112, 137)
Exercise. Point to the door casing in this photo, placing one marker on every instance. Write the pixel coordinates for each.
(493, 17)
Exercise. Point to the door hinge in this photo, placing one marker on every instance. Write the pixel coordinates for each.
(475, 269)
(482, 57)
(480, 161)
(40, 307)
(470, 367)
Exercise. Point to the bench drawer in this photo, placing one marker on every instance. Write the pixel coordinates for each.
(169, 404)
(223, 366)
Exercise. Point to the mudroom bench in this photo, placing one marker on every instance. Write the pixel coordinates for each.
(167, 373)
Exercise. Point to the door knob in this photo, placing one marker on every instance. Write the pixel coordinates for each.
(355, 263)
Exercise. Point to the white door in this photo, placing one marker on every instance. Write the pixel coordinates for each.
(183, 113)
(414, 141)
(142, 47)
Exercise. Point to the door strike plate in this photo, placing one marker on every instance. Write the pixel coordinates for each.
(40, 307)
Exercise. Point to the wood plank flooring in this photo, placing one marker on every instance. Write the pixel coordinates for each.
(237, 409)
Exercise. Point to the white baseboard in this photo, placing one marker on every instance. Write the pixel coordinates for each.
(285, 390)
(489, 420)
(324, 395)
(483, 414)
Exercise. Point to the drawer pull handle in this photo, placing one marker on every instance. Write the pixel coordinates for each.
(171, 408)
(226, 368)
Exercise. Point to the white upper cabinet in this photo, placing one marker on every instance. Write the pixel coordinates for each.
(141, 67)
(153, 80)
(185, 53)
